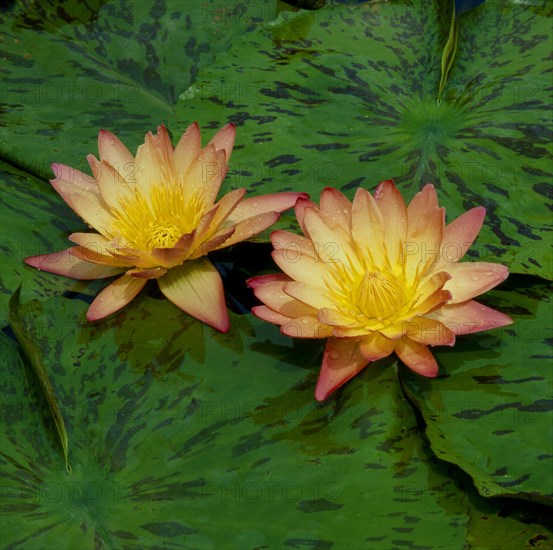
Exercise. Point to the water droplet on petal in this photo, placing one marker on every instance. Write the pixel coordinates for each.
(474, 277)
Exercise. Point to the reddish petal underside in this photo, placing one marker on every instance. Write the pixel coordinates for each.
(74, 176)
(306, 327)
(394, 214)
(292, 245)
(113, 151)
(68, 263)
(336, 206)
(187, 149)
(248, 228)
(470, 317)
(417, 357)
(460, 234)
(429, 331)
(376, 346)
(115, 296)
(224, 139)
(342, 360)
(470, 279)
(267, 314)
(272, 202)
(196, 287)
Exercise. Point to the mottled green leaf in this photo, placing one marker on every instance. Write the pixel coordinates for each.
(184, 437)
(71, 68)
(180, 434)
(32, 344)
(34, 220)
(315, 109)
(490, 411)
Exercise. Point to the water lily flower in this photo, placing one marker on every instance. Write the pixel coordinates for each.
(376, 276)
(156, 218)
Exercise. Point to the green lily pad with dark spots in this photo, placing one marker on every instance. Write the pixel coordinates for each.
(34, 221)
(170, 442)
(182, 436)
(490, 411)
(71, 68)
(349, 96)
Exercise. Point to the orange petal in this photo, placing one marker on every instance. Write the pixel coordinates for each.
(113, 151)
(187, 149)
(255, 282)
(67, 263)
(332, 243)
(305, 268)
(196, 288)
(267, 314)
(470, 317)
(376, 347)
(106, 259)
(131, 255)
(417, 357)
(345, 326)
(164, 151)
(169, 257)
(152, 273)
(306, 327)
(394, 214)
(223, 210)
(112, 186)
(423, 206)
(74, 176)
(148, 170)
(342, 360)
(205, 175)
(292, 245)
(299, 209)
(96, 248)
(272, 202)
(308, 294)
(429, 331)
(335, 205)
(366, 222)
(470, 279)
(271, 293)
(436, 300)
(249, 227)
(219, 240)
(203, 230)
(86, 202)
(154, 162)
(425, 227)
(460, 234)
(224, 139)
(115, 296)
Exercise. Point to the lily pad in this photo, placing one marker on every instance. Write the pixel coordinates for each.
(346, 96)
(118, 65)
(490, 410)
(181, 436)
(34, 221)
(164, 439)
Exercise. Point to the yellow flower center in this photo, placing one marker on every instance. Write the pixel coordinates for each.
(164, 236)
(379, 296)
(159, 219)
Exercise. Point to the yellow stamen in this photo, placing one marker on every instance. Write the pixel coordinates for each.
(159, 219)
(379, 296)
